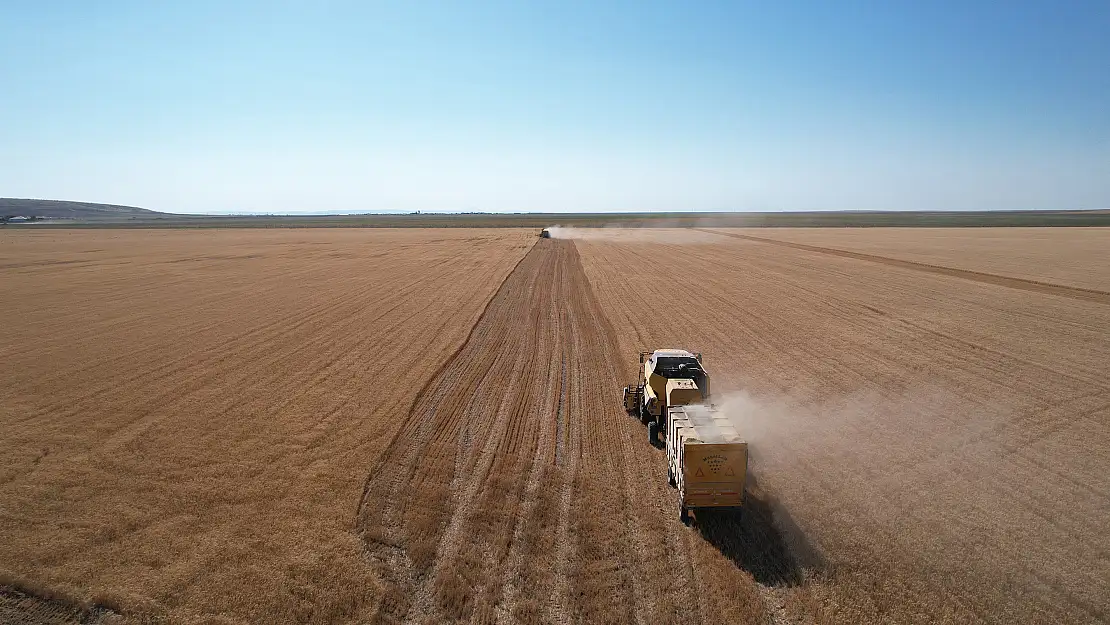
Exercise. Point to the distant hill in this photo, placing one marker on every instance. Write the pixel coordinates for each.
(91, 215)
(62, 209)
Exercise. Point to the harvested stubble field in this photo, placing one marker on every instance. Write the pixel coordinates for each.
(424, 426)
(942, 438)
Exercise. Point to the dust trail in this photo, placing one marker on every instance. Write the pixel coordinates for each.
(879, 429)
(678, 236)
(897, 481)
(866, 447)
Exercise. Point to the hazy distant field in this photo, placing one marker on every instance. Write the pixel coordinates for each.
(1073, 257)
(425, 425)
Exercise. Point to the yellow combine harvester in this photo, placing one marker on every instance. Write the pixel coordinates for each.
(707, 460)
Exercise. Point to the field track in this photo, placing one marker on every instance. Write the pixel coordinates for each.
(517, 490)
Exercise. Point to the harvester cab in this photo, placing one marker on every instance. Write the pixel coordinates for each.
(668, 377)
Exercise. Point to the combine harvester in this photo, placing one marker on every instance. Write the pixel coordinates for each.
(707, 460)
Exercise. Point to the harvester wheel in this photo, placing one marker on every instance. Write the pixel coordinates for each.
(653, 431)
(683, 511)
(670, 476)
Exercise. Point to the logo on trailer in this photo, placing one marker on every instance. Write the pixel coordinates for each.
(715, 461)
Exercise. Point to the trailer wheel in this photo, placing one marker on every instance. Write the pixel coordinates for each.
(670, 476)
(683, 513)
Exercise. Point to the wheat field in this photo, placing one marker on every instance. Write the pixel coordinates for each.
(425, 425)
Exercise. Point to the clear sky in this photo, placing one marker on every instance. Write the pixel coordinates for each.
(206, 106)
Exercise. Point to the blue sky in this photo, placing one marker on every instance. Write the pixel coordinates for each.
(556, 106)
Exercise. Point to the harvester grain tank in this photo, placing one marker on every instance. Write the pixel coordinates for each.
(707, 459)
(668, 377)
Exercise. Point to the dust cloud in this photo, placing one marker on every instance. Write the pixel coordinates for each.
(874, 472)
(865, 428)
(678, 236)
